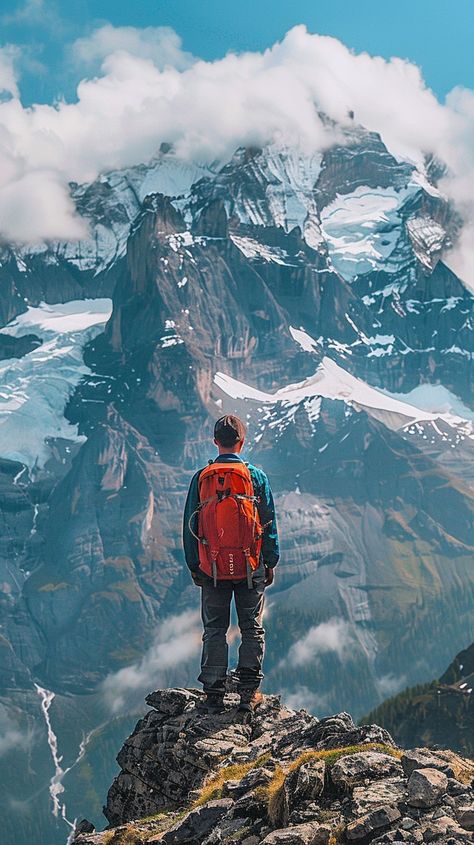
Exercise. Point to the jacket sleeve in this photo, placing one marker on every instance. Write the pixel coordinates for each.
(190, 544)
(266, 510)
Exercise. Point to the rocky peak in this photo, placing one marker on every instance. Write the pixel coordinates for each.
(279, 777)
(212, 221)
(362, 160)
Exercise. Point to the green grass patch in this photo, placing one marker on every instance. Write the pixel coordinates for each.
(272, 793)
(50, 588)
(213, 788)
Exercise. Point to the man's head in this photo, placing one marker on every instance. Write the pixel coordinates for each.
(229, 433)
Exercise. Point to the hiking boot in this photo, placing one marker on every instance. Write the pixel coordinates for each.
(214, 702)
(250, 699)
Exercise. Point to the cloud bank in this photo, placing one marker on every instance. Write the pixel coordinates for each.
(302, 698)
(12, 737)
(9, 55)
(148, 90)
(166, 663)
(331, 636)
(161, 44)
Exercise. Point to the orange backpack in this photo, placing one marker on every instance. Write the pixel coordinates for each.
(229, 527)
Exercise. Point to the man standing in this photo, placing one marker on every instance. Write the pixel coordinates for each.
(231, 547)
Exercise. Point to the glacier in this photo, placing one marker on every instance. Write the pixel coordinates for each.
(35, 389)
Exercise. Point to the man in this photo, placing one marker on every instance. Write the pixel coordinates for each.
(231, 547)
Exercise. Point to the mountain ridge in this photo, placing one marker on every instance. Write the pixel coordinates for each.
(438, 712)
(235, 272)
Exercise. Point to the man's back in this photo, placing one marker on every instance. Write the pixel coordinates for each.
(265, 506)
(229, 519)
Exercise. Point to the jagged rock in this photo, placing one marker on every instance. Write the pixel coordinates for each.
(364, 826)
(426, 787)
(364, 764)
(389, 790)
(168, 756)
(84, 826)
(227, 830)
(17, 347)
(254, 778)
(324, 835)
(301, 834)
(453, 765)
(445, 829)
(398, 835)
(177, 757)
(408, 823)
(307, 782)
(455, 787)
(213, 221)
(171, 702)
(465, 817)
(340, 730)
(421, 758)
(300, 787)
(198, 823)
(249, 806)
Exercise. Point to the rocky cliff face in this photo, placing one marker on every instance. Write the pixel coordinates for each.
(309, 294)
(280, 777)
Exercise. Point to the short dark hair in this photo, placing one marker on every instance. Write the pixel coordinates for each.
(229, 429)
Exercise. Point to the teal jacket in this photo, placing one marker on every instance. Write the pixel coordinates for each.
(266, 509)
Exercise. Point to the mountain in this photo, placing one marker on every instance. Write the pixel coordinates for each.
(310, 294)
(439, 712)
(282, 777)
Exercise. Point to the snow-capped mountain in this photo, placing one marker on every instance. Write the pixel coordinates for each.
(331, 381)
(306, 292)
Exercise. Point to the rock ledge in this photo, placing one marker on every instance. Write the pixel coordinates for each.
(279, 777)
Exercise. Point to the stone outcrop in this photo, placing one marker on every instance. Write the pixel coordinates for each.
(279, 777)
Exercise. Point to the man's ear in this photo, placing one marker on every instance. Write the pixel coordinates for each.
(215, 441)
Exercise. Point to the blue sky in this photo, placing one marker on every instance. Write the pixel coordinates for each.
(435, 34)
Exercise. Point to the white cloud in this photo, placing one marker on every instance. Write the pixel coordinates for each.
(9, 55)
(51, 214)
(177, 641)
(148, 90)
(331, 636)
(390, 684)
(160, 44)
(11, 735)
(301, 697)
(31, 10)
(35, 13)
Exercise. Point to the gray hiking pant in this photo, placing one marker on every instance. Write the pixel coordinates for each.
(215, 612)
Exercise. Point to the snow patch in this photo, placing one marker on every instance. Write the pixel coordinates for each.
(255, 250)
(35, 389)
(362, 230)
(331, 381)
(307, 343)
